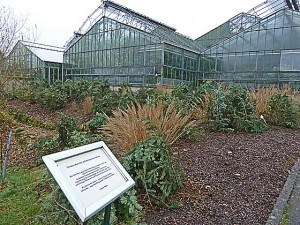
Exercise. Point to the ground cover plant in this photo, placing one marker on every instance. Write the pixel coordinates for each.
(151, 130)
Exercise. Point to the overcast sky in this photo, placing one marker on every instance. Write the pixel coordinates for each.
(56, 20)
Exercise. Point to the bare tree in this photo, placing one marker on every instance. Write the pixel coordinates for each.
(12, 28)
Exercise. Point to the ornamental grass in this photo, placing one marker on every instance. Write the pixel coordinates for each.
(128, 127)
(262, 96)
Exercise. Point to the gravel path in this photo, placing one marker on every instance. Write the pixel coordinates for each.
(231, 178)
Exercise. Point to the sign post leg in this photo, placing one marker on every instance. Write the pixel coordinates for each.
(6, 157)
(107, 214)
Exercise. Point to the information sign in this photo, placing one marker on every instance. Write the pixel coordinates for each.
(90, 176)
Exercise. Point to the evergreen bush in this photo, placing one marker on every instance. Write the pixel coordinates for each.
(282, 112)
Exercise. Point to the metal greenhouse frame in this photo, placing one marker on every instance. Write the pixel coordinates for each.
(120, 45)
(265, 53)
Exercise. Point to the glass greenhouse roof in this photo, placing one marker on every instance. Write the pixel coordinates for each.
(131, 18)
(283, 18)
(45, 52)
(241, 22)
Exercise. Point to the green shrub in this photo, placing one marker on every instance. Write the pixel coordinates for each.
(65, 127)
(60, 93)
(25, 93)
(183, 92)
(183, 96)
(77, 139)
(241, 112)
(74, 90)
(282, 112)
(232, 111)
(205, 87)
(99, 89)
(144, 94)
(106, 104)
(217, 116)
(152, 167)
(112, 101)
(47, 145)
(97, 122)
(128, 209)
(52, 98)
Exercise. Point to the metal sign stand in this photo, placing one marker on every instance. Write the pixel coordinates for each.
(6, 157)
(88, 190)
(107, 214)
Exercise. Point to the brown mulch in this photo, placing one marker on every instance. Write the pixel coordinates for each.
(35, 111)
(28, 157)
(239, 176)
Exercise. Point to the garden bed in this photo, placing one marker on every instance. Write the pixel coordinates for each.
(231, 178)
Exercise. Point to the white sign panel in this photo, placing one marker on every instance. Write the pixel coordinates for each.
(90, 176)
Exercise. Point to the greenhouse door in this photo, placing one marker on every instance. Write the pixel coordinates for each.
(53, 74)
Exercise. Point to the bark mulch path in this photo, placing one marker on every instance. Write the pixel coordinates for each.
(231, 178)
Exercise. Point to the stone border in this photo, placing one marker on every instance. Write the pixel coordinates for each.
(276, 214)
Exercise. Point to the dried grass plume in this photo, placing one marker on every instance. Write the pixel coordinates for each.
(128, 127)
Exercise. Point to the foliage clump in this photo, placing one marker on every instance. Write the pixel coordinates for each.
(153, 168)
(230, 110)
(65, 127)
(282, 112)
(97, 122)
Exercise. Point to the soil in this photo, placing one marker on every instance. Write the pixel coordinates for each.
(231, 178)
(238, 175)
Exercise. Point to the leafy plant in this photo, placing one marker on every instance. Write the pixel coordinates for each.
(152, 167)
(52, 98)
(174, 205)
(45, 146)
(282, 111)
(77, 139)
(25, 93)
(183, 92)
(99, 89)
(97, 122)
(74, 90)
(232, 111)
(218, 118)
(65, 127)
(127, 207)
(144, 94)
(204, 89)
(106, 104)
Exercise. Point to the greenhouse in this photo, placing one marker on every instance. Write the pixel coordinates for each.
(32, 60)
(115, 43)
(120, 45)
(258, 48)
